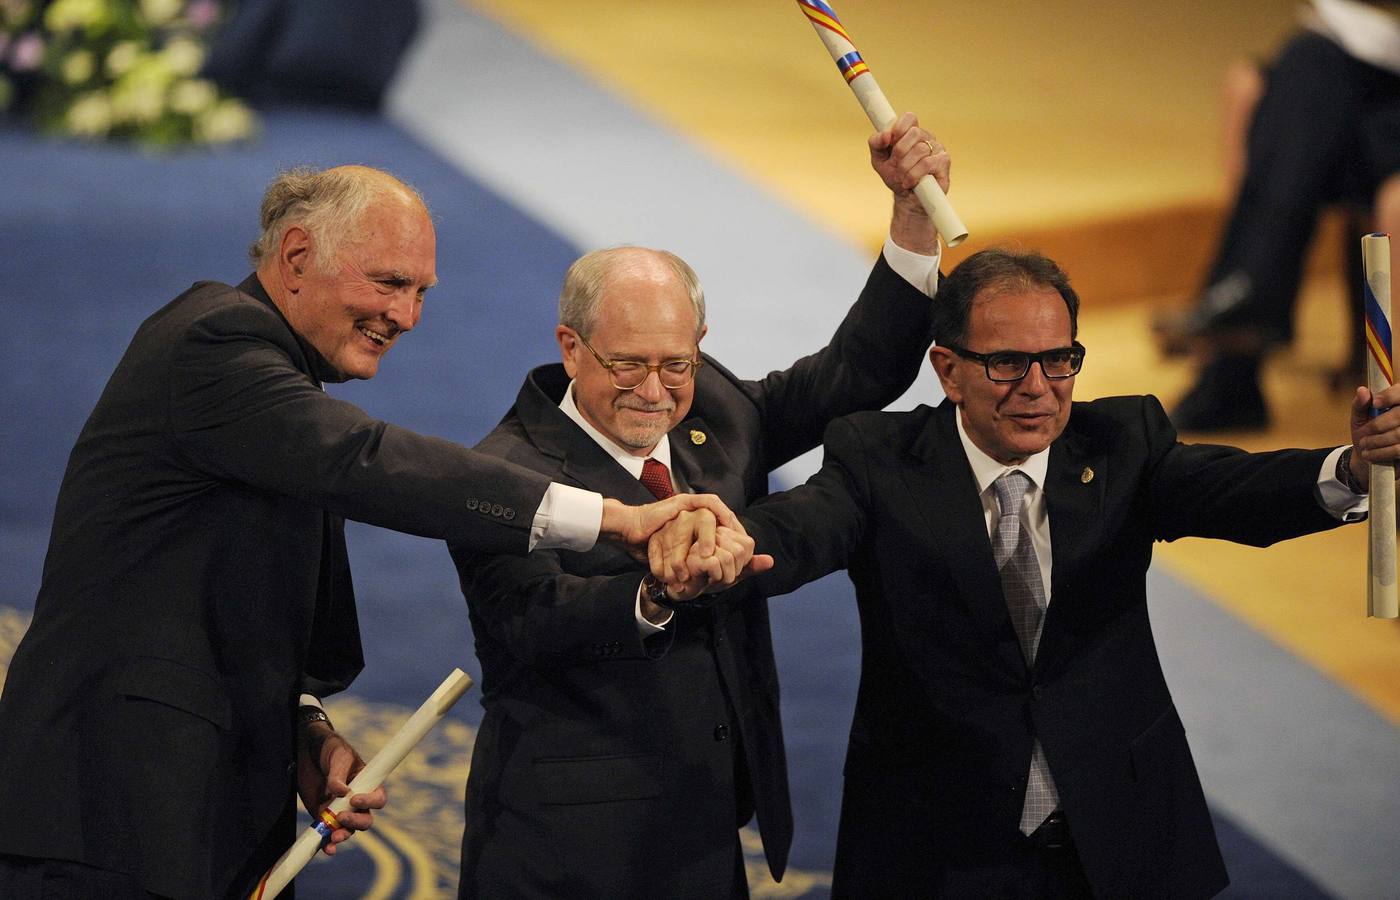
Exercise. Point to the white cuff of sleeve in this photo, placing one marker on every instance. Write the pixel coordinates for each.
(645, 628)
(1336, 497)
(568, 519)
(919, 270)
(310, 700)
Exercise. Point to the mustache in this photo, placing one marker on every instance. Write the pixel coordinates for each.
(631, 402)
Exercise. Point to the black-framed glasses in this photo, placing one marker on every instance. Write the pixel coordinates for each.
(628, 374)
(1012, 365)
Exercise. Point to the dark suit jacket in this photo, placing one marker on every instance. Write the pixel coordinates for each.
(947, 709)
(606, 766)
(196, 581)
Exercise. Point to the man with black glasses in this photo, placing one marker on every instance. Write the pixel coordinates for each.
(1013, 733)
(625, 742)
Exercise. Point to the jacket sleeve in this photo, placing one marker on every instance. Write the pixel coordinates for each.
(815, 528)
(240, 410)
(1214, 491)
(544, 616)
(871, 360)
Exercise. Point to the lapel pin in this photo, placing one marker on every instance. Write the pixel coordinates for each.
(1086, 476)
(697, 437)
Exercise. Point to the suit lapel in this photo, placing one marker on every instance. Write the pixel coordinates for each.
(1074, 492)
(940, 483)
(700, 459)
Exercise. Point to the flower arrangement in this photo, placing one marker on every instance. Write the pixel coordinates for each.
(119, 69)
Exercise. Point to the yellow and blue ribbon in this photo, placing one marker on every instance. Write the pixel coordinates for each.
(1378, 338)
(852, 66)
(824, 16)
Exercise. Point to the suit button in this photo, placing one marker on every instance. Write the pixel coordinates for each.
(1036, 692)
(508, 514)
(721, 732)
(472, 503)
(497, 509)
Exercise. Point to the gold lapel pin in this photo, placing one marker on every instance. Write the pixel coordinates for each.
(1086, 476)
(697, 437)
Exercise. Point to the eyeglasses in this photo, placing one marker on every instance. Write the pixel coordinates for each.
(628, 374)
(1012, 365)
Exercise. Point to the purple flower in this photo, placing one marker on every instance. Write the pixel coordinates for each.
(202, 13)
(27, 53)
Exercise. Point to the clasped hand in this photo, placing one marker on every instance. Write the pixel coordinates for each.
(695, 554)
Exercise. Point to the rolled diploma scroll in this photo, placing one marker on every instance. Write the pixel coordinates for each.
(877, 108)
(1380, 374)
(369, 778)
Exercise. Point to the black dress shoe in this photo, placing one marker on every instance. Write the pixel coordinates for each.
(1226, 397)
(1224, 307)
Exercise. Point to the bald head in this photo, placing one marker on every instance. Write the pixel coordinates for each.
(330, 204)
(587, 281)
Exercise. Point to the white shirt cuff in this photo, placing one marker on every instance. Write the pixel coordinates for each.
(1336, 497)
(919, 270)
(644, 627)
(310, 700)
(568, 519)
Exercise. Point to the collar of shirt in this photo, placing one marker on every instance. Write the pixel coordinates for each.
(987, 470)
(1035, 516)
(661, 452)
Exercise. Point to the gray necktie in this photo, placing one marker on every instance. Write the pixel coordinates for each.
(1025, 601)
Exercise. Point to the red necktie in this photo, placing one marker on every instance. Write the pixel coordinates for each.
(657, 478)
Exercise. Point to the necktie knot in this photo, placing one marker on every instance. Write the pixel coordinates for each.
(1011, 489)
(657, 478)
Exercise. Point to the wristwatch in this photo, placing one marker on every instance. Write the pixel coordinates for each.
(655, 591)
(1344, 473)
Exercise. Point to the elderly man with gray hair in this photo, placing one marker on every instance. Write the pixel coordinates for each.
(625, 742)
(196, 598)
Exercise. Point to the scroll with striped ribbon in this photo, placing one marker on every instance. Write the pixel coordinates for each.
(1381, 601)
(370, 777)
(857, 74)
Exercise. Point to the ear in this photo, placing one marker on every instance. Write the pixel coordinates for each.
(569, 346)
(294, 257)
(704, 330)
(945, 365)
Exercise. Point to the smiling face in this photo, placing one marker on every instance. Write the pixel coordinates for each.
(644, 314)
(1010, 421)
(354, 307)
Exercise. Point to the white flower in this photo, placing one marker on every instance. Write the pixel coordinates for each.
(122, 57)
(65, 15)
(229, 121)
(192, 96)
(78, 66)
(158, 12)
(90, 115)
(183, 56)
(138, 99)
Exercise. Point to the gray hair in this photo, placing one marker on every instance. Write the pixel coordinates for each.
(590, 274)
(996, 269)
(329, 203)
